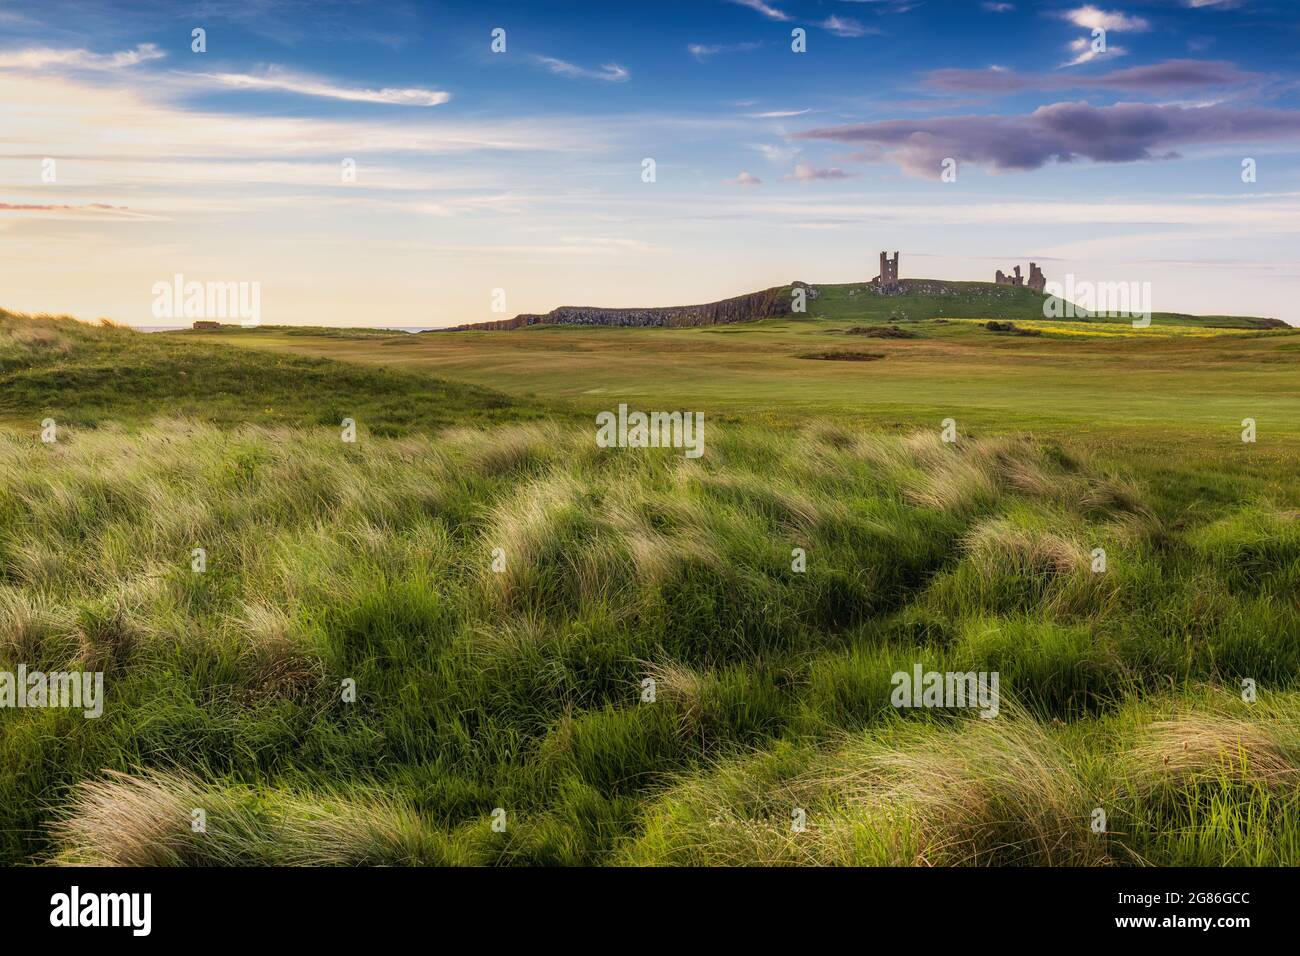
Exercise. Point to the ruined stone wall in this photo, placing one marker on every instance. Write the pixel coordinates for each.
(1036, 280)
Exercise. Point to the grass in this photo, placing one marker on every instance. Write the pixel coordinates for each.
(1165, 385)
(619, 649)
(84, 375)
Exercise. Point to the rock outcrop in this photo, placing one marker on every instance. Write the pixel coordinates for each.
(742, 308)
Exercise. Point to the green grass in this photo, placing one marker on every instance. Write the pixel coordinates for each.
(1165, 384)
(520, 687)
(83, 375)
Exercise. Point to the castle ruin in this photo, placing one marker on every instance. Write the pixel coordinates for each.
(887, 281)
(1036, 281)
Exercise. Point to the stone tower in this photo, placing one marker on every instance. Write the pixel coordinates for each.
(1036, 280)
(887, 281)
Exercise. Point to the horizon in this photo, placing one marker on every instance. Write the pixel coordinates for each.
(132, 158)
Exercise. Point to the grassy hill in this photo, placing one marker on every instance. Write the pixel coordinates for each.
(80, 374)
(514, 680)
(919, 299)
(933, 299)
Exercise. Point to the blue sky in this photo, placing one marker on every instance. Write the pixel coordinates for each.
(522, 170)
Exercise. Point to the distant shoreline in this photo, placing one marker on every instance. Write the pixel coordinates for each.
(378, 328)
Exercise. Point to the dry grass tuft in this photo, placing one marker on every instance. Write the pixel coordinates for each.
(999, 547)
(121, 820)
(271, 658)
(998, 791)
(146, 820)
(1210, 745)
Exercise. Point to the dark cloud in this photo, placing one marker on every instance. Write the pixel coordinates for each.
(1170, 76)
(1062, 132)
(806, 173)
(51, 207)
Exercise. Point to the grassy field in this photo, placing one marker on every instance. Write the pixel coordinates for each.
(1170, 382)
(499, 591)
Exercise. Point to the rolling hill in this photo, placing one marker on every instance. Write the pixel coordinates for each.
(916, 299)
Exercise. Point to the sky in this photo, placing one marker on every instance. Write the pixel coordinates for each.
(381, 164)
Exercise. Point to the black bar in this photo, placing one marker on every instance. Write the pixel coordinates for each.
(207, 906)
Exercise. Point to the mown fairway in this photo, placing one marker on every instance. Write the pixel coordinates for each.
(522, 688)
(1100, 377)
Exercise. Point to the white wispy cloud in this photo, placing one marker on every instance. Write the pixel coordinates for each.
(776, 155)
(746, 178)
(1094, 18)
(281, 80)
(44, 58)
(1083, 51)
(772, 13)
(702, 51)
(778, 114)
(609, 72)
(49, 115)
(845, 27)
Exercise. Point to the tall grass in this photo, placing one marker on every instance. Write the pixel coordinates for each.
(521, 687)
(614, 647)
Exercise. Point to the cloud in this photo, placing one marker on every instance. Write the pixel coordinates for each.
(609, 72)
(95, 211)
(1171, 76)
(778, 114)
(702, 51)
(277, 79)
(772, 13)
(776, 155)
(845, 27)
(998, 7)
(1063, 132)
(51, 207)
(890, 6)
(805, 173)
(44, 58)
(744, 179)
(56, 116)
(1085, 52)
(1094, 18)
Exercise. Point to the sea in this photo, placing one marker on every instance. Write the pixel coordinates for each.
(376, 328)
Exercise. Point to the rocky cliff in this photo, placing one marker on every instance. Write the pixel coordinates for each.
(742, 308)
